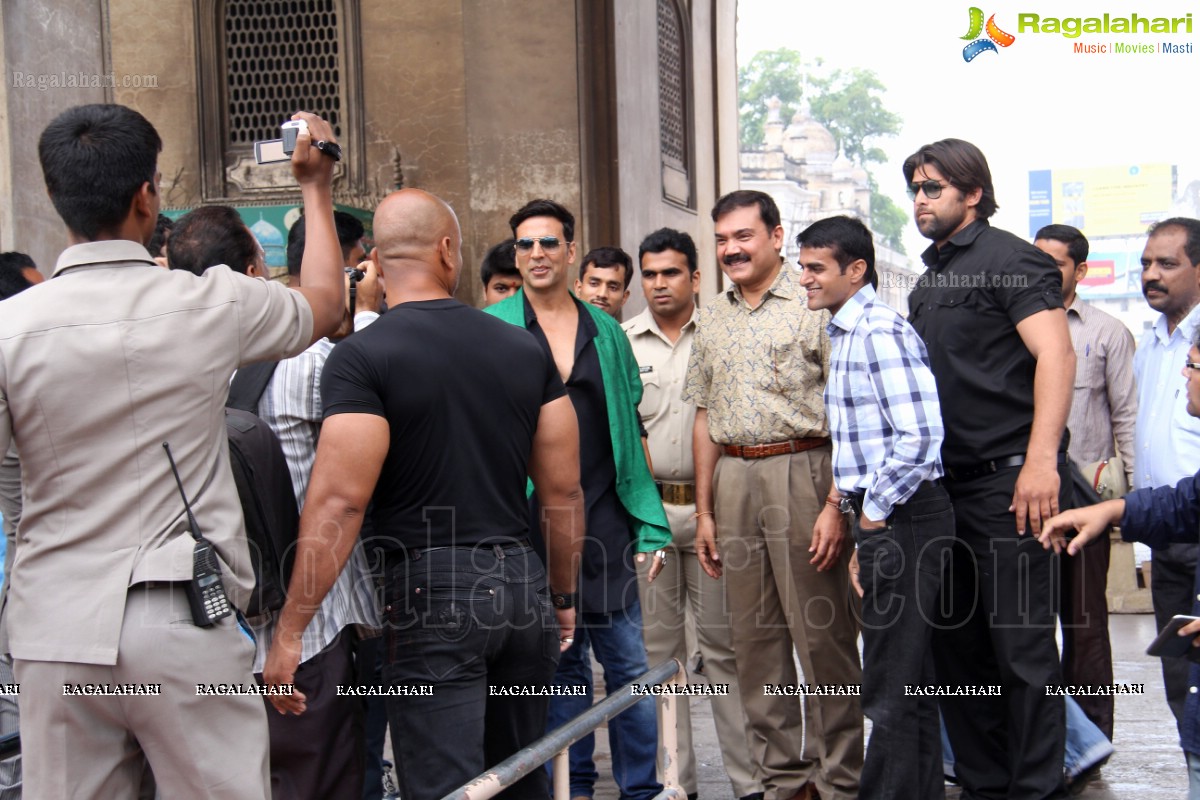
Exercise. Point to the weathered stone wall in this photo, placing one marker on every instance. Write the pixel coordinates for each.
(49, 50)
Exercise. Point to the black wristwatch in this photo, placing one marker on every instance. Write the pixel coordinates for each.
(562, 601)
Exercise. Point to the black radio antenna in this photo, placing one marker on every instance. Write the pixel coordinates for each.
(191, 518)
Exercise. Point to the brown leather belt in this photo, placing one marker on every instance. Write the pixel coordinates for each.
(774, 448)
(677, 494)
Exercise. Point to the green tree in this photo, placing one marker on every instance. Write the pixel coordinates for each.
(848, 104)
(770, 73)
(887, 219)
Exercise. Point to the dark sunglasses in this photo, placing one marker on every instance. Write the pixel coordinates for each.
(548, 243)
(932, 189)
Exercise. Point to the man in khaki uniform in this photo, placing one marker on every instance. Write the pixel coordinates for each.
(762, 452)
(661, 337)
(98, 368)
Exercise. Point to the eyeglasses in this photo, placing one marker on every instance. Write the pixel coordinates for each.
(932, 189)
(1192, 365)
(548, 243)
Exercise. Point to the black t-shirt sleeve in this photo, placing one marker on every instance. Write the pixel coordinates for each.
(349, 384)
(1029, 283)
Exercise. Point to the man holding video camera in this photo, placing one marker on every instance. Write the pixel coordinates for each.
(108, 654)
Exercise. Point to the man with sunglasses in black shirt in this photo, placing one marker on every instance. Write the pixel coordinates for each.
(990, 309)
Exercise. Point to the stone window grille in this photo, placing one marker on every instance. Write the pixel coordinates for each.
(674, 123)
(262, 60)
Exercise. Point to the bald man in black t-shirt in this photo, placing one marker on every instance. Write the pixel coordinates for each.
(437, 413)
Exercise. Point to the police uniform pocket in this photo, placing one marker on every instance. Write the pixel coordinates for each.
(651, 393)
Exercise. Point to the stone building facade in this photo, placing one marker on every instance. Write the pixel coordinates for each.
(801, 167)
(623, 110)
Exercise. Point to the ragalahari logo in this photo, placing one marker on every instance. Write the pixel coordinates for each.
(995, 36)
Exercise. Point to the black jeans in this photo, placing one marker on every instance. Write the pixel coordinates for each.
(1172, 583)
(463, 621)
(999, 601)
(901, 575)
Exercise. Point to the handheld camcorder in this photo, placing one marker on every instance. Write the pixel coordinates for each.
(268, 151)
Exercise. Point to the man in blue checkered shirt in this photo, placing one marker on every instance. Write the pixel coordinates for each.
(886, 425)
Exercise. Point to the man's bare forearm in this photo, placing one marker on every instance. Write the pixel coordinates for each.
(1053, 385)
(563, 531)
(705, 453)
(329, 527)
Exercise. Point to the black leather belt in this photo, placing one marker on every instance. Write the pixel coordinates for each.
(416, 553)
(973, 471)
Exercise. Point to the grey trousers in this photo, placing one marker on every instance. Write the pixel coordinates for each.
(198, 746)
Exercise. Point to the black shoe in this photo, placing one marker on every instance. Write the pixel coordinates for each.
(753, 796)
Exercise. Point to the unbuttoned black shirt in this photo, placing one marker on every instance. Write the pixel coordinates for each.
(607, 580)
(966, 307)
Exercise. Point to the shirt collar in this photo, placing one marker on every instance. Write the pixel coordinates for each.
(586, 321)
(936, 259)
(1186, 327)
(784, 285)
(646, 323)
(852, 310)
(108, 252)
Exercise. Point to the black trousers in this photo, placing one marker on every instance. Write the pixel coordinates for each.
(1172, 583)
(320, 754)
(996, 628)
(477, 626)
(901, 575)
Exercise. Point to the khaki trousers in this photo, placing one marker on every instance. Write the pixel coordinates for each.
(765, 512)
(197, 746)
(680, 588)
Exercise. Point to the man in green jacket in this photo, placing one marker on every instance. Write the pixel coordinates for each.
(625, 518)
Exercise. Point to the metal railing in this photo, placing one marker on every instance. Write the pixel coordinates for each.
(554, 744)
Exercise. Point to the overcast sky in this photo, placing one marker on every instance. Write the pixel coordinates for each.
(1033, 105)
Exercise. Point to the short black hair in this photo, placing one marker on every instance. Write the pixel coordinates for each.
(604, 257)
(162, 231)
(545, 208)
(95, 158)
(12, 275)
(350, 232)
(1191, 227)
(669, 239)
(208, 236)
(848, 238)
(768, 212)
(501, 259)
(963, 165)
(1072, 237)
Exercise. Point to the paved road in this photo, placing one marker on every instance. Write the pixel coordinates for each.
(1147, 764)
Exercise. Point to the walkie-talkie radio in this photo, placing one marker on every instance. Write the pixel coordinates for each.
(205, 591)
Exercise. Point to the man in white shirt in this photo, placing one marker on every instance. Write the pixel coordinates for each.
(1167, 438)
